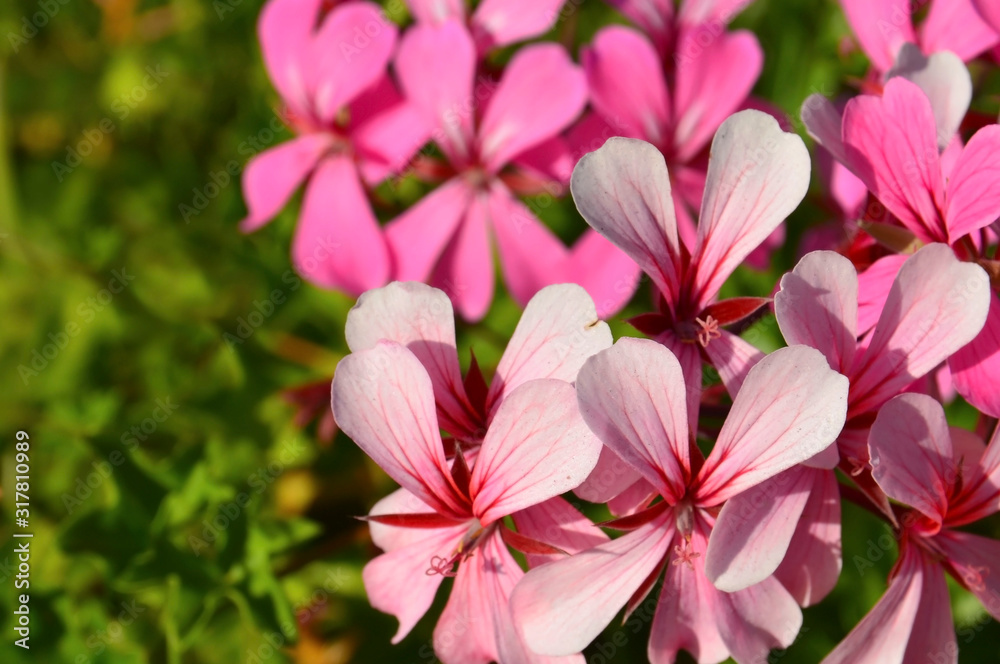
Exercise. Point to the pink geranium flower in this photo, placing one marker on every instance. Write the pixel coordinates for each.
(892, 144)
(935, 306)
(485, 132)
(633, 397)
(686, 29)
(949, 480)
(494, 23)
(353, 127)
(537, 447)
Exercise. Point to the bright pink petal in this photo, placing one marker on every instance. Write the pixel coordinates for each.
(436, 12)
(946, 82)
(881, 26)
(338, 242)
(623, 192)
(874, 285)
(757, 175)
(754, 528)
(883, 633)
(733, 358)
(974, 187)
(286, 29)
(419, 236)
(504, 22)
(977, 563)
(609, 275)
(813, 561)
(937, 304)
(975, 367)
(989, 11)
(687, 609)
(397, 581)
(556, 522)
(349, 53)
(384, 400)
(385, 130)
(562, 606)
(732, 61)
(655, 17)
(465, 269)
(609, 478)
(891, 144)
(531, 255)
(957, 26)
(536, 448)
(540, 94)
(632, 396)
(910, 449)
(818, 306)
(436, 67)
(636, 102)
(558, 331)
(791, 406)
(272, 177)
(421, 318)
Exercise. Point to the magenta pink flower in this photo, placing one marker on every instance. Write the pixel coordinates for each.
(633, 397)
(537, 447)
(883, 26)
(483, 130)
(353, 125)
(891, 143)
(949, 479)
(558, 331)
(494, 23)
(636, 95)
(757, 175)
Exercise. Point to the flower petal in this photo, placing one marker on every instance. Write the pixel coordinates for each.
(610, 275)
(818, 306)
(536, 448)
(813, 561)
(632, 396)
(754, 528)
(881, 26)
(975, 367)
(636, 103)
(384, 400)
(974, 186)
(977, 563)
(540, 94)
(623, 191)
(754, 621)
(610, 477)
(757, 175)
(504, 22)
(285, 29)
(271, 177)
(910, 449)
(823, 122)
(946, 82)
(559, 524)
(436, 12)
(558, 331)
(937, 304)
(791, 406)
(465, 269)
(421, 318)
(386, 130)
(562, 606)
(989, 11)
(733, 358)
(874, 285)
(338, 243)
(957, 26)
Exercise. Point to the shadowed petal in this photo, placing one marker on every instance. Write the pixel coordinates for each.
(558, 523)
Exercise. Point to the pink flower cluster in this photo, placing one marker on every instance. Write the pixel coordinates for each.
(731, 529)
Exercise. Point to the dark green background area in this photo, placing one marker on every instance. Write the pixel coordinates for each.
(201, 537)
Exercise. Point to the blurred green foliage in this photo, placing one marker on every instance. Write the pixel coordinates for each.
(179, 513)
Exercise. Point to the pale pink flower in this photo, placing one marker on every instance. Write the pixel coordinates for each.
(485, 134)
(883, 26)
(537, 447)
(949, 479)
(353, 126)
(892, 144)
(935, 306)
(633, 397)
(558, 331)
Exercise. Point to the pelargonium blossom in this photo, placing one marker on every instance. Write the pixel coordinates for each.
(485, 133)
(633, 397)
(354, 129)
(947, 479)
(537, 447)
(892, 144)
